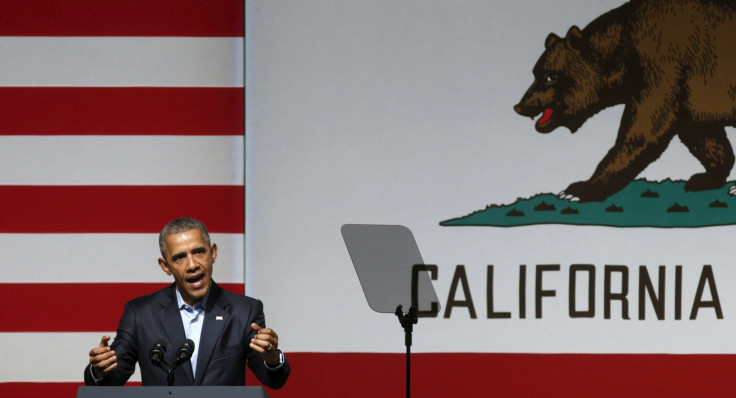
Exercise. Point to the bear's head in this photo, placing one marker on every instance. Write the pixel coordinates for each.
(568, 84)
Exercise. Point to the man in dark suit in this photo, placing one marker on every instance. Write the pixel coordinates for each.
(228, 330)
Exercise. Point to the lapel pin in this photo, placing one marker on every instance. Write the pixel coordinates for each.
(218, 318)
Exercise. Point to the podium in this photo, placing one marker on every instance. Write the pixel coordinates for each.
(171, 392)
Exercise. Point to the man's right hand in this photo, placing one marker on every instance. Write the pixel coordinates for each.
(102, 358)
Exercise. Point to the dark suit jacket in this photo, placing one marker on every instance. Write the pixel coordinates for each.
(223, 347)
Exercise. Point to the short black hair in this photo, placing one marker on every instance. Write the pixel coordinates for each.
(179, 225)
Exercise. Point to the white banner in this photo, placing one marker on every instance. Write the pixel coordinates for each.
(403, 113)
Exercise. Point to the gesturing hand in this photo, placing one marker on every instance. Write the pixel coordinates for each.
(266, 341)
(102, 358)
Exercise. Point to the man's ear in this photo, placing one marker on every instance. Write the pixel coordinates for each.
(164, 266)
(213, 250)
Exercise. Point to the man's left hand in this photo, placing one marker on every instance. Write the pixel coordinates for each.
(266, 341)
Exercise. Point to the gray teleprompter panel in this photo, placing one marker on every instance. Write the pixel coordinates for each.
(383, 257)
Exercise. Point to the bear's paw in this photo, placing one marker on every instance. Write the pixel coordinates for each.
(585, 191)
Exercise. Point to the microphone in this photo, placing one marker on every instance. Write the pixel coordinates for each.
(184, 353)
(156, 354)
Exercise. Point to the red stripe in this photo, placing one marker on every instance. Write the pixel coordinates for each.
(509, 375)
(119, 209)
(483, 375)
(43, 389)
(221, 18)
(121, 111)
(54, 305)
(36, 390)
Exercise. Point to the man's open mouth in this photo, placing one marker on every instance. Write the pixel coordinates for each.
(196, 280)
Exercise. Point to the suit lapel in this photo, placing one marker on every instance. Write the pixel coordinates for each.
(217, 315)
(172, 325)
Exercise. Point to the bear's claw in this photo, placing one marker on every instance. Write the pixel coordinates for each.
(566, 196)
(584, 191)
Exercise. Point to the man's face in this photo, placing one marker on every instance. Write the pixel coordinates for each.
(189, 259)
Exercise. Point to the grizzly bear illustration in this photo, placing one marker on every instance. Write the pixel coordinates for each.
(671, 62)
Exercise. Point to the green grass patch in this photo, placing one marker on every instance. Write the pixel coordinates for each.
(642, 203)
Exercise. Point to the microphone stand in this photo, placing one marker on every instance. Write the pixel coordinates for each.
(169, 369)
(407, 321)
(182, 356)
(161, 363)
(170, 376)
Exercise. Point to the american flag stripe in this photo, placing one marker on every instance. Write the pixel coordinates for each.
(122, 61)
(221, 18)
(116, 209)
(103, 258)
(121, 160)
(47, 357)
(179, 111)
(89, 306)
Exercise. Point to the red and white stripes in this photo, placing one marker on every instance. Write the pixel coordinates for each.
(115, 117)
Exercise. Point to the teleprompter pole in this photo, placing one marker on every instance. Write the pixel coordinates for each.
(407, 321)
